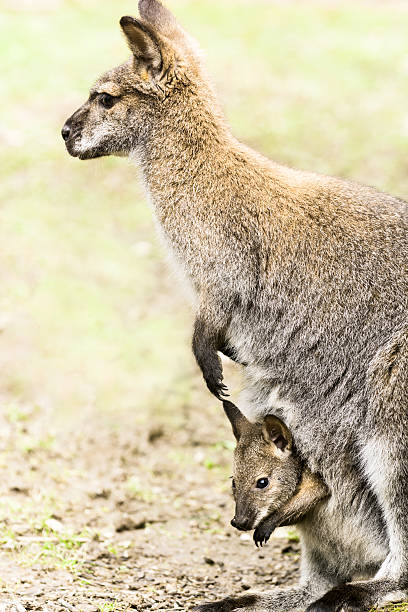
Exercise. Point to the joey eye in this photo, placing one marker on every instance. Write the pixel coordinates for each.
(106, 100)
(262, 483)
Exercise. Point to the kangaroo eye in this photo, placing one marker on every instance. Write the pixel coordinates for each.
(106, 100)
(262, 483)
(233, 483)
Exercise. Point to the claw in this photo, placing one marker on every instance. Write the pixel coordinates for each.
(219, 390)
(260, 540)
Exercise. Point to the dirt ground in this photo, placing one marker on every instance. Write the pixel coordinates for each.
(114, 459)
(99, 513)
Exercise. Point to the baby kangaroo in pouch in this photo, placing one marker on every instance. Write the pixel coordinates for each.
(271, 486)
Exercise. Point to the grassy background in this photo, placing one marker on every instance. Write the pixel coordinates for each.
(90, 317)
(88, 313)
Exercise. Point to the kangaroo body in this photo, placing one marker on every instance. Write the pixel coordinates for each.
(300, 277)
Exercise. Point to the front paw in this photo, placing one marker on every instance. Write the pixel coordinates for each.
(344, 598)
(264, 530)
(213, 377)
(206, 341)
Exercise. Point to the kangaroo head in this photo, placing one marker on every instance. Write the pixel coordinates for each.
(266, 471)
(126, 104)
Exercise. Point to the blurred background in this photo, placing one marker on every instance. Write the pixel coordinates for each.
(96, 371)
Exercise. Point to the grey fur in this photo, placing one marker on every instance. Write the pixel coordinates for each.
(301, 277)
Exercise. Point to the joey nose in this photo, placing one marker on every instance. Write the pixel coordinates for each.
(65, 132)
(243, 524)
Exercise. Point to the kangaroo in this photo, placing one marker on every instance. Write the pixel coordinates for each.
(271, 485)
(300, 277)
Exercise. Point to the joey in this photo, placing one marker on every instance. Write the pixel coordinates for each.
(271, 485)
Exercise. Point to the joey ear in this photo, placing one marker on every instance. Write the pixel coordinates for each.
(275, 431)
(142, 42)
(236, 418)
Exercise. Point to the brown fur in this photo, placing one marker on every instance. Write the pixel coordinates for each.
(300, 277)
(266, 450)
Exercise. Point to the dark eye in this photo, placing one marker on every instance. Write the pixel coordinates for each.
(106, 100)
(262, 483)
(233, 483)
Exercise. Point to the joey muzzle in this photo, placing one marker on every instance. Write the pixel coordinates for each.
(242, 523)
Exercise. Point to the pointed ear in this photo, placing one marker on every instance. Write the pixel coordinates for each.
(275, 431)
(158, 16)
(142, 43)
(238, 421)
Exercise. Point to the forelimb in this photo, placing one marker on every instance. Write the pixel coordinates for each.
(209, 337)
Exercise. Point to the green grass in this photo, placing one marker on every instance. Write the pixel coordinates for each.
(108, 607)
(89, 315)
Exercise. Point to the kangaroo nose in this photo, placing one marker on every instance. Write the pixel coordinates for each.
(234, 523)
(65, 132)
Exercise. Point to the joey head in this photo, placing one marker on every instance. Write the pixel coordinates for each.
(271, 485)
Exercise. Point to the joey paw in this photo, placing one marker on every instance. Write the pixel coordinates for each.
(260, 538)
(264, 530)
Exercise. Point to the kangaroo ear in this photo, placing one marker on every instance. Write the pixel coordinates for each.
(142, 43)
(158, 16)
(275, 431)
(238, 421)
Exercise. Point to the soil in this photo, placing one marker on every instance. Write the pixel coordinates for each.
(102, 513)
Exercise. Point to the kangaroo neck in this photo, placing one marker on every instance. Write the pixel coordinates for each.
(181, 156)
(197, 175)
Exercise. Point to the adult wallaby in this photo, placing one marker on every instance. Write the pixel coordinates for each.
(301, 277)
(271, 485)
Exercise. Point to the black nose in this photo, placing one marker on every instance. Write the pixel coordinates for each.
(243, 524)
(65, 132)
